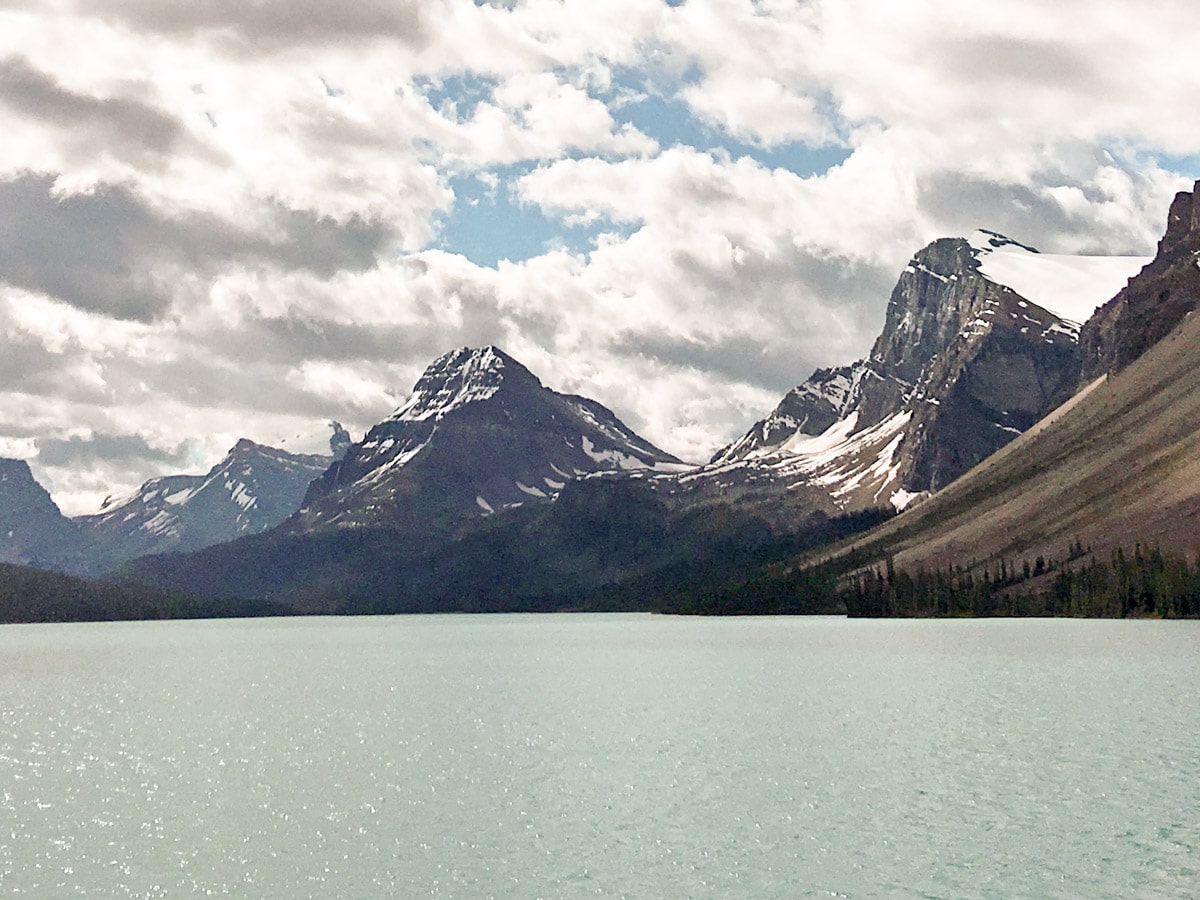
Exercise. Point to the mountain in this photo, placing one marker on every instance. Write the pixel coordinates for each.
(965, 362)
(252, 489)
(33, 531)
(480, 434)
(1140, 316)
(1118, 464)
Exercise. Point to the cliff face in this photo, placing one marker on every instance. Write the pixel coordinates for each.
(963, 365)
(1154, 302)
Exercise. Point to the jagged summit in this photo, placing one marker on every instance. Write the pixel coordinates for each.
(466, 375)
(480, 433)
(1166, 291)
(980, 339)
(983, 241)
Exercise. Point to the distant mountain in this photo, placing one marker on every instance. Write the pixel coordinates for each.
(1116, 465)
(33, 531)
(252, 489)
(450, 503)
(480, 434)
(965, 363)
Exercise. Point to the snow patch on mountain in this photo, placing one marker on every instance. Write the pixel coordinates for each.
(1070, 287)
(454, 380)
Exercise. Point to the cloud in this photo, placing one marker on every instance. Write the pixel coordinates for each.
(138, 129)
(220, 220)
(81, 451)
(270, 23)
(109, 251)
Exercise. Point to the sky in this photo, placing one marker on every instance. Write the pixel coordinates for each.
(246, 218)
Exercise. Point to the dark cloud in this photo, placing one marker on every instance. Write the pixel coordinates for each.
(270, 23)
(1023, 62)
(738, 358)
(125, 448)
(110, 252)
(961, 203)
(100, 121)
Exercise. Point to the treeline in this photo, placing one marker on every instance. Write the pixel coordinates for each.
(31, 595)
(720, 583)
(1146, 582)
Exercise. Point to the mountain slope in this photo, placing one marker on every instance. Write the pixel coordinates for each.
(1117, 464)
(480, 434)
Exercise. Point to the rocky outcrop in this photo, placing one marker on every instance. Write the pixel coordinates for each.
(809, 409)
(1154, 302)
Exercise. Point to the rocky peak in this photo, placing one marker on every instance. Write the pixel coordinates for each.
(460, 377)
(808, 409)
(1183, 221)
(339, 441)
(33, 531)
(926, 309)
(245, 447)
(479, 434)
(983, 241)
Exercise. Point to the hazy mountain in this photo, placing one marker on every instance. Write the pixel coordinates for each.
(252, 489)
(33, 531)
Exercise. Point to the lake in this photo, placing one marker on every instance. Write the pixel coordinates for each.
(601, 756)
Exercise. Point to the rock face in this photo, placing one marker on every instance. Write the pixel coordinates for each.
(252, 489)
(33, 531)
(479, 434)
(963, 364)
(1154, 303)
(1116, 465)
(989, 365)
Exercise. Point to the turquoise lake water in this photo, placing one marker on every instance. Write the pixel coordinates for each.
(601, 756)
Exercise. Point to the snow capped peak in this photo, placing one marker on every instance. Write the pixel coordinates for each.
(466, 375)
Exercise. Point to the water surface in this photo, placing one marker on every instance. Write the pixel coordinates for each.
(601, 756)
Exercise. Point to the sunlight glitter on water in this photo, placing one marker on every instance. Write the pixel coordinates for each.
(573, 756)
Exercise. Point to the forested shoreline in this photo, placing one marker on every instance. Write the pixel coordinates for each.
(1145, 582)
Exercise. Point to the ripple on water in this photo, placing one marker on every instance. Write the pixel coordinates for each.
(600, 756)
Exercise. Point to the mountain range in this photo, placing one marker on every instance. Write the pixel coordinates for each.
(996, 368)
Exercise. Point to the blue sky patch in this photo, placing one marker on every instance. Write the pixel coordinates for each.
(488, 224)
